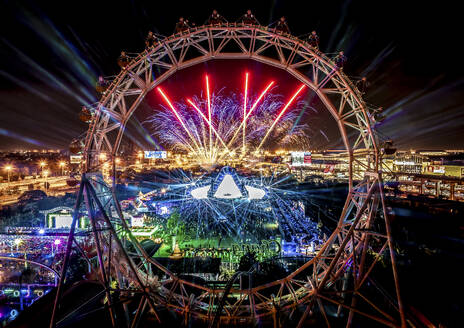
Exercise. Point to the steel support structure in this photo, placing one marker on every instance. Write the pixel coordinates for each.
(114, 265)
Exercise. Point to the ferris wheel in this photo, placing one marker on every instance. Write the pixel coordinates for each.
(335, 278)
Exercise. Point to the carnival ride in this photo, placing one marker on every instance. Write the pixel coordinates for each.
(331, 286)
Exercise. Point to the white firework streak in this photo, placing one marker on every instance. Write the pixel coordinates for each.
(227, 115)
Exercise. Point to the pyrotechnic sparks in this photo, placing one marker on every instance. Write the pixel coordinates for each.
(212, 137)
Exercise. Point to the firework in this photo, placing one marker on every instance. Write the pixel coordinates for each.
(207, 127)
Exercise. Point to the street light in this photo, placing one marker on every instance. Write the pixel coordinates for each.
(140, 158)
(17, 242)
(56, 243)
(46, 173)
(62, 165)
(8, 169)
(42, 164)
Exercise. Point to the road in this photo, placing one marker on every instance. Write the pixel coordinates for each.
(57, 187)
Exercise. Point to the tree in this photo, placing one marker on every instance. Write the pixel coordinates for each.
(247, 261)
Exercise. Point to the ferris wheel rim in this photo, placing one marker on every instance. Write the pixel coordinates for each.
(133, 70)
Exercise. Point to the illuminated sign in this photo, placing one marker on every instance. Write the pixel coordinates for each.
(157, 154)
(307, 158)
(301, 158)
(404, 163)
(75, 159)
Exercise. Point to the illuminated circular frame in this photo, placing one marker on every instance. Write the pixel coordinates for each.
(349, 243)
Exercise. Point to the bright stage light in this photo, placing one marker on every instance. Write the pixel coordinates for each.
(228, 186)
(164, 210)
(255, 193)
(228, 189)
(200, 193)
(57, 242)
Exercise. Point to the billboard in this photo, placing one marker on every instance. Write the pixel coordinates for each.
(301, 158)
(159, 154)
(436, 169)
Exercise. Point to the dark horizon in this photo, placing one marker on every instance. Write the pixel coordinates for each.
(52, 53)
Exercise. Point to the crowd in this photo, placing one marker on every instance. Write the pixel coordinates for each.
(295, 226)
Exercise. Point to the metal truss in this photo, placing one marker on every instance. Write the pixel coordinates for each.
(51, 268)
(336, 278)
(116, 270)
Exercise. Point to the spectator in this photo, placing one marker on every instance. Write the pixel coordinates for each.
(340, 60)
(150, 40)
(123, 60)
(362, 85)
(249, 18)
(282, 26)
(216, 19)
(313, 40)
(182, 25)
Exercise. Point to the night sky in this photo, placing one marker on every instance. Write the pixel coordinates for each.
(51, 54)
